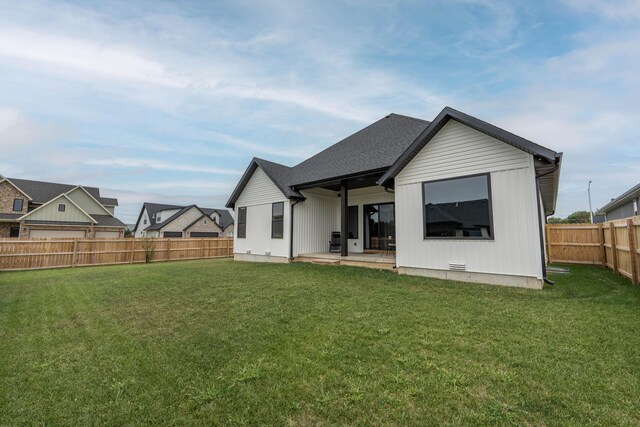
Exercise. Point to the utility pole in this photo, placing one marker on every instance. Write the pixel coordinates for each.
(590, 210)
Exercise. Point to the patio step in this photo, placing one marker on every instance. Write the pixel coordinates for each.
(322, 261)
(352, 262)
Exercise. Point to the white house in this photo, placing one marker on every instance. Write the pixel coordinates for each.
(455, 198)
(160, 220)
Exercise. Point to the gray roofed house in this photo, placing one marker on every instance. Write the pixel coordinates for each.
(165, 220)
(40, 209)
(41, 191)
(624, 206)
(375, 189)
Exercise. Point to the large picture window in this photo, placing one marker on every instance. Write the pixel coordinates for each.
(353, 222)
(277, 220)
(242, 223)
(458, 208)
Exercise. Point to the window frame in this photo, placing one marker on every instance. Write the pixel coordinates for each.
(472, 238)
(64, 207)
(273, 220)
(21, 205)
(243, 235)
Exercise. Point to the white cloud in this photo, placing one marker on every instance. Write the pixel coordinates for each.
(17, 131)
(620, 10)
(142, 164)
(207, 185)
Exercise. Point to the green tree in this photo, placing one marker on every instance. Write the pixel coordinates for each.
(579, 217)
(554, 220)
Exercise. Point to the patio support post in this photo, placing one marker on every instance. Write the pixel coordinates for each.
(344, 220)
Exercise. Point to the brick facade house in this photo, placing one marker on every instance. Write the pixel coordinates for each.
(37, 209)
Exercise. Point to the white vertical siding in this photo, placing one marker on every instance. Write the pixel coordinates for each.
(314, 220)
(458, 151)
(258, 239)
(259, 190)
(319, 215)
(258, 196)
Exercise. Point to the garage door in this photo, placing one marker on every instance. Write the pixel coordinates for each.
(56, 234)
(172, 234)
(107, 234)
(203, 234)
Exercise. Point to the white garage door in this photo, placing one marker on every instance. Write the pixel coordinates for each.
(56, 234)
(107, 234)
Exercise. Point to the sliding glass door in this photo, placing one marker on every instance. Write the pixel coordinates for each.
(380, 227)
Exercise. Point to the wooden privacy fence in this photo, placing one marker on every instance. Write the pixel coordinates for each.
(56, 253)
(613, 244)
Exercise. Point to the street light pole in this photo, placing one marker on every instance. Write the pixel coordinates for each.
(590, 210)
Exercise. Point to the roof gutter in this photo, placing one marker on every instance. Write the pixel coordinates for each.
(540, 228)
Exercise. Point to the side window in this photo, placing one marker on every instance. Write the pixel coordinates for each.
(17, 205)
(62, 207)
(458, 208)
(242, 223)
(277, 220)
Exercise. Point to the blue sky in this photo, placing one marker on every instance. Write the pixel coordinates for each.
(159, 101)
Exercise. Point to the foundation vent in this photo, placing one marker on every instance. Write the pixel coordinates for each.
(248, 251)
(457, 266)
(267, 253)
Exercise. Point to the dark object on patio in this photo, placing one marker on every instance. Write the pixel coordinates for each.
(389, 246)
(334, 243)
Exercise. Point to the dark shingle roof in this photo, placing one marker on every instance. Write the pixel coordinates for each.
(373, 148)
(152, 208)
(386, 147)
(108, 221)
(42, 192)
(159, 225)
(10, 216)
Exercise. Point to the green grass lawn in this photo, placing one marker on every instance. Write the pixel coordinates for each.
(217, 342)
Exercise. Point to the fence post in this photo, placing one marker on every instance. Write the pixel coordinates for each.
(75, 251)
(603, 251)
(133, 243)
(228, 247)
(632, 252)
(202, 247)
(614, 249)
(168, 254)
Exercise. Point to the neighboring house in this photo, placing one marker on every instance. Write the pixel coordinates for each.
(36, 209)
(160, 220)
(456, 198)
(624, 206)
